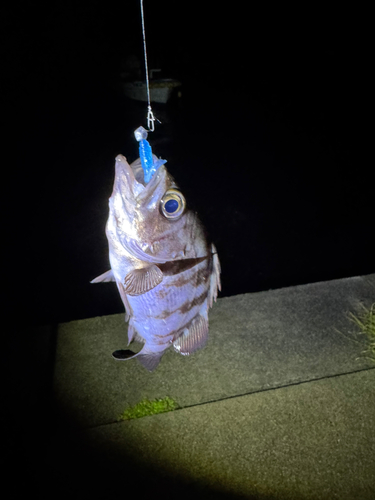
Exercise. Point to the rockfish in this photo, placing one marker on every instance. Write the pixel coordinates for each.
(167, 274)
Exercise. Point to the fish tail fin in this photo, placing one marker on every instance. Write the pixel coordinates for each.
(150, 360)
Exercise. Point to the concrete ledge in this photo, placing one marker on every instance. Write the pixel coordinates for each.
(257, 341)
(279, 405)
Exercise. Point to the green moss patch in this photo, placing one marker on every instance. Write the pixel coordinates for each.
(365, 320)
(146, 407)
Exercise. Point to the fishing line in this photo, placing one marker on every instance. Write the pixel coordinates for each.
(149, 162)
(150, 115)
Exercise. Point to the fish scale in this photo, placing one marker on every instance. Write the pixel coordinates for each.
(158, 312)
(167, 273)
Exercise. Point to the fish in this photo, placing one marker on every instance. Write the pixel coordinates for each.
(166, 271)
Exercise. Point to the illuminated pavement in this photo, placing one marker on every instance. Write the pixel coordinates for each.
(279, 404)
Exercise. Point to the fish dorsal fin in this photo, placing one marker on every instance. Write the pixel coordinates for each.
(105, 277)
(194, 338)
(142, 280)
(215, 284)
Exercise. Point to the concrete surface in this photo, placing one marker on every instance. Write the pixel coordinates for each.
(257, 341)
(313, 441)
(279, 404)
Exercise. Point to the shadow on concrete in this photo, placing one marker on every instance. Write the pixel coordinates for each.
(48, 456)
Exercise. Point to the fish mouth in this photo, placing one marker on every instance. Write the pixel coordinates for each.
(136, 168)
(131, 199)
(129, 179)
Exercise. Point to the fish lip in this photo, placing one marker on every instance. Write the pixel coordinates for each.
(122, 167)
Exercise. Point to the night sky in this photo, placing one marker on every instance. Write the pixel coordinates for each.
(266, 143)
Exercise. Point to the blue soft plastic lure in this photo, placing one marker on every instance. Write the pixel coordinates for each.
(150, 163)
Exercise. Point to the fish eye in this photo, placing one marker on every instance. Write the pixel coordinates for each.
(172, 204)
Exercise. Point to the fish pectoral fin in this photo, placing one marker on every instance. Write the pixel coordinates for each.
(105, 277)
(193, 338)
(142, 280)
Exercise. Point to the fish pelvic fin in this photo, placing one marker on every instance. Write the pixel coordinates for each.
(140, 281)
(105, 277)
(133, 335)
(124, 298)
(193, 338)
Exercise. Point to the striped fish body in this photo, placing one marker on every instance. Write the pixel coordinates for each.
(166, 272)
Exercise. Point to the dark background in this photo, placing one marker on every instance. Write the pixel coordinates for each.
(267, 142)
